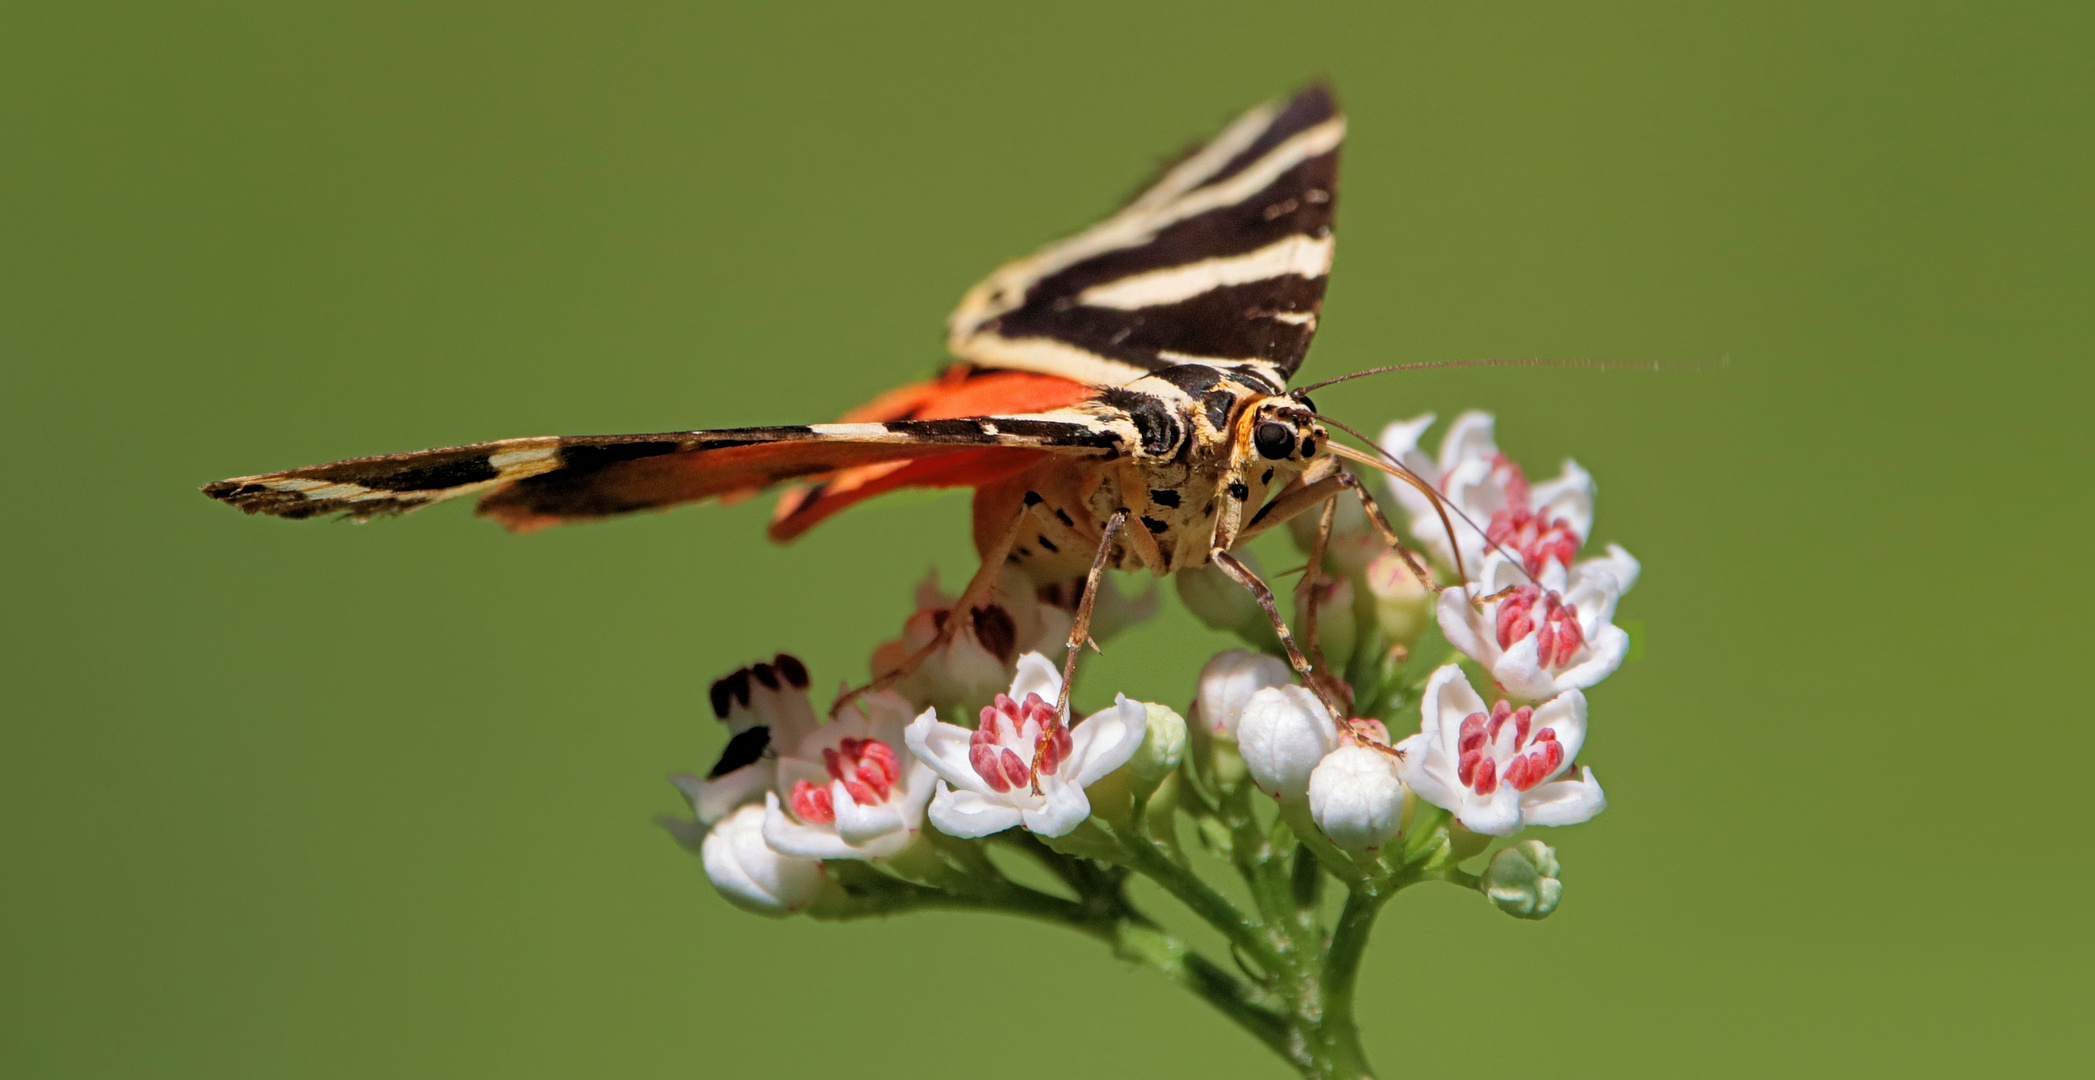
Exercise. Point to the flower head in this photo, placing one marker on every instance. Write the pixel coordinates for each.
(1540, 524)
(1535, 640)
(1496, 767)
(1023, 764)
(844, 792)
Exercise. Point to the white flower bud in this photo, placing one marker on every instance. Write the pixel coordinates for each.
(1283, 734)
(1403, 604)
(1522, 880)
(1355, 797)
(1227, 683)
(749, 874)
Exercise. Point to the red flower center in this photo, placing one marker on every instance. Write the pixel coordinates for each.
(1009, 727)
(868, 770)
(1520, 762)
(1520, 528)
(1555, 624)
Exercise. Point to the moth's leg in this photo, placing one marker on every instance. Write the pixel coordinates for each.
(1387, 531)
(1234, 567)
(1080, 631)
(978, 589)
(1285, 506)
(1313, 576)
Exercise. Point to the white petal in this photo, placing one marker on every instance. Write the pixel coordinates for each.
(862, 825)
(1495, 815)
(1284, 733)
(1036, 675)
(1519, 670)
(1429, 773)
(1565, 802)
(789, 837)
(1568, 498)
(967, 814)
(1603, 655)
(1469, 438)
(713, 799)
(1470, 631)
(1066, 808)
(913, 792)
(1104, 741)
(752, 876)
(1447, 700)
(1228, 680)
(1617, 564)
(944, 749)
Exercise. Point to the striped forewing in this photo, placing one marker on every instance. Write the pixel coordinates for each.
(1221, 262)
(541, 481)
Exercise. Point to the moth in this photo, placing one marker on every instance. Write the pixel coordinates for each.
(1118, 399)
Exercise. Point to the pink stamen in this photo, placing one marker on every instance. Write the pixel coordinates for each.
(812, 803)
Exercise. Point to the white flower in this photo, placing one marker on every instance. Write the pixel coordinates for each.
(1536, 641)
(1542, 524)
(1022, 765)
(1227, 682)
(751, 875)
(763, 705)
(976, 661)
(1403, 603)
(844, 792)
(1283, 733)
(1355, 796)
(1496, 768)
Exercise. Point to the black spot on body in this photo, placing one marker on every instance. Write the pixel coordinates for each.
(1063, 516)
(1208, 511)
(1238, 491)
(1049, 545)
(1159, 430)
(1309, 447)
(970, 430)
(1164, 497)
(1218, 403)
(744, 749)
(1033, 498)
(1153, 525)
(1266, 479)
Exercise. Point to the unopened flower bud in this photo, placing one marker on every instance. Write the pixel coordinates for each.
(1355, 797)
(1227, 683)
(749, 874)
(1163, 747)
(1403, 604)
(1283, 734)
(1522, 880)
(1224, 605)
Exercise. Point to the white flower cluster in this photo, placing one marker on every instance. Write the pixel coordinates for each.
(1533, 618)
(789, 793)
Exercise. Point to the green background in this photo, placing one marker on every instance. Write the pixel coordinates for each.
(319, 800)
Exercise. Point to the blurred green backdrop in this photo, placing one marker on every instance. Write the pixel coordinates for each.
(317, 800)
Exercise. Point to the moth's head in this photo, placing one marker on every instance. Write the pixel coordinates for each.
(1280, 429)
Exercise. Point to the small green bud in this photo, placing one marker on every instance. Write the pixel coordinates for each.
(1522, 880)
(1163, 747)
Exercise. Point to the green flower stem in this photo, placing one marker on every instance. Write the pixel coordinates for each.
(1341, 1055)
(1146, 858)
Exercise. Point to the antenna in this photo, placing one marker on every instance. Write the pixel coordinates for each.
(1596, 364)
(1441, 505)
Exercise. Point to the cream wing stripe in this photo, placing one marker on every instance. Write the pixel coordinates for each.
(1302, 256)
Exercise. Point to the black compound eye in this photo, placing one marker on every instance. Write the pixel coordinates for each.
(1274, 440)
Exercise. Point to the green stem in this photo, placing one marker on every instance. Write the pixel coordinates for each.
(1147, 859)
(1341, 1054)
